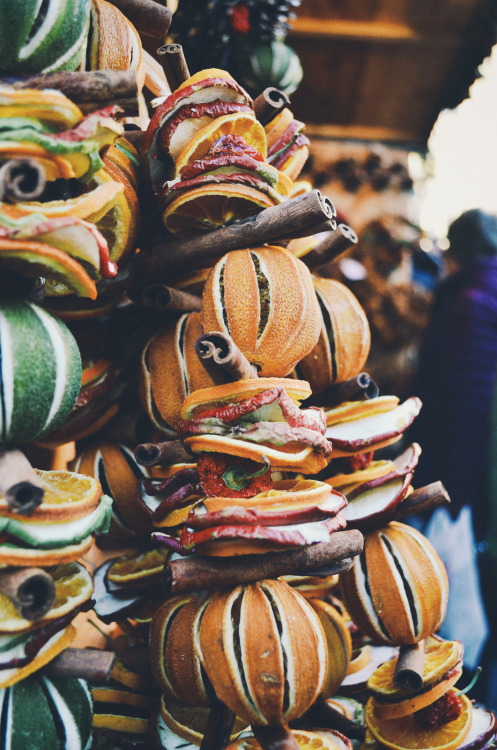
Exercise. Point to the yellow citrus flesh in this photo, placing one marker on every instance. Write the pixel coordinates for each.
(407, 734)
(318, 740)
(440, 657)
(73, 586)
(212, 206)
(93, 204)
(67, 495)
(135, 567)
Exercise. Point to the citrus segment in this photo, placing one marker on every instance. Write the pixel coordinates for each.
(73, 586)
(440, 656)
(210, 207)
(127, 569)
(407, 734)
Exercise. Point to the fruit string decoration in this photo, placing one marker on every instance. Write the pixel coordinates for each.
(261, 648)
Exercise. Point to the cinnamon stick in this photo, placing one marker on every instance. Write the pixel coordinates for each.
(19, 484)
(163, 297)
(337, 242)
(21, 180)
(148, 17)
(91, 664)
(360, 388)
(269, 104)
(165, 453)
(135, 136)
(321, 714)
(295, 215)
(329, 225)
(222, 359)
(219, 727)
(420, 500)
(91, 90)
(409, 669)
(275, 738)
(172, 59)
(31, 591)
(196, 572)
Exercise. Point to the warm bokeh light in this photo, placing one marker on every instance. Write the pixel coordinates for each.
(463, 148)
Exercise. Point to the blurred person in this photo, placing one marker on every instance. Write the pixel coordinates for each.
(457, 380)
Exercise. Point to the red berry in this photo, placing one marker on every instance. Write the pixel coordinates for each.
(445, 709)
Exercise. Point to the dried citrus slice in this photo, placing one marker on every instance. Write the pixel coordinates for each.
(212, 206)
(35, 259)
(410, 704)
(136, 568)
(22, 557)
(189, 722)
(120, 225)
(73, 586)
(440, 656)
(241, 123)
(67, 496)
(49, 651)
(93, 204)
(407, 734)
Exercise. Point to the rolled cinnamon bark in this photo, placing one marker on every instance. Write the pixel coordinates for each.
(31, 591)
(91, 90)
(337, 242)
(419, 501)
(21, 180)
(329, 225)
(321, 714)
(94, 665)
(135, 136)
(148, 17)
(164, 297)
(19, 484)
(165, 453)
(275, 738)
(196, 573)
(409, 669)
(172, 59)
(222, 359)
(219, 727)
(294, 216)
(360, 388)
(269, 104)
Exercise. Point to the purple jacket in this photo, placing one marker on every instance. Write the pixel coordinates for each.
(457, 374)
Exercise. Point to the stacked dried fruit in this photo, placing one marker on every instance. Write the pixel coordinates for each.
(239, 486)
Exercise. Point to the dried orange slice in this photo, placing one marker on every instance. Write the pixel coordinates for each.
(136, 568)
(67, 496)
(240, 123)
(22, 557)
(93, 204)
(47, 652)
(440, 656)
(401, 708)
(209, 207)
(406, 734)
(73, 586)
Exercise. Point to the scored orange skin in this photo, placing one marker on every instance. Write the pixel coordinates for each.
(430, 586)
(351, 333)
(123, 485)
(162, 374)
(339, 645)
(173, 659)
(293, 323)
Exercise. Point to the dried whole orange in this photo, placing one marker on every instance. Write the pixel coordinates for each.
(397, 590)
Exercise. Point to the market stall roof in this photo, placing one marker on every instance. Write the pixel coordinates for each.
(384, 69)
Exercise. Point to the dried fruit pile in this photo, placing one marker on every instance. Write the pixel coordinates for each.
(256, 581)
